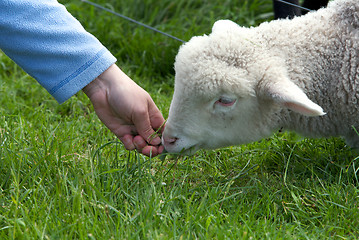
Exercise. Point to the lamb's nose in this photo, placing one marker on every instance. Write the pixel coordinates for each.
(169, 141)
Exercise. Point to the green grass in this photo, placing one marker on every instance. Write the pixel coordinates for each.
(65, 176)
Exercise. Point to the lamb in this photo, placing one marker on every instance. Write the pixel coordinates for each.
(238, 85)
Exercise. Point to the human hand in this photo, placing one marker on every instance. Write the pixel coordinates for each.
(127, 110)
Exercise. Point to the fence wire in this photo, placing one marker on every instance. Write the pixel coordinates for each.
(159, 31)
(132, 20)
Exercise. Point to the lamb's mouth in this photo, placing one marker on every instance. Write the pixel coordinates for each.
(189, 150)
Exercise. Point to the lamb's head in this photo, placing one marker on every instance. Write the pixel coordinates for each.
(227, 92)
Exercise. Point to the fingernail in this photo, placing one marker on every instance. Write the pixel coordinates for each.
(155, 141)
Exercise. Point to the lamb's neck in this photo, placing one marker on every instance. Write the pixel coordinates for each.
(320, 126)
(315, 58)
(292, 121)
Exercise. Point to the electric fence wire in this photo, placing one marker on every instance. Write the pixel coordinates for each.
(159, 31)
(132, 20)
(294, 5)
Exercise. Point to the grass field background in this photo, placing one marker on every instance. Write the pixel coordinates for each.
(63, 175)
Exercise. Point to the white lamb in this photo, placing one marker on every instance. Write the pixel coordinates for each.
(238, 84)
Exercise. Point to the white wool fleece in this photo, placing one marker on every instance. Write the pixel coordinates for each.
(238, 84)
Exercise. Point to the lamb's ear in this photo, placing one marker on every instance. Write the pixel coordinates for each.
(224, 25)
(289, 95)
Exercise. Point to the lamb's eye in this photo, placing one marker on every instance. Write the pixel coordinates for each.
(226, 101)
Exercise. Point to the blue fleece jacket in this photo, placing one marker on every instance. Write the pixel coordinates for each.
(51, 46)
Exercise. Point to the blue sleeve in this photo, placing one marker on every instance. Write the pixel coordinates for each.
(51, 46)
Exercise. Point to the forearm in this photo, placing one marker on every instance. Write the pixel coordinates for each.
(51, 45)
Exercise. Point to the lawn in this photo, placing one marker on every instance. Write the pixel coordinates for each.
(63, 175)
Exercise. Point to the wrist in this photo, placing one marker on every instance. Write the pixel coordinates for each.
(100, 83)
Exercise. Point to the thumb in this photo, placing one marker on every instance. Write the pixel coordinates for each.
(144, 129)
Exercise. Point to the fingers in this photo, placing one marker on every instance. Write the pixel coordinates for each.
(144, 128)
(157, 121)
(128, 142)
(152, 151)
(148, 142)
(148, 150)
(141, 145)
